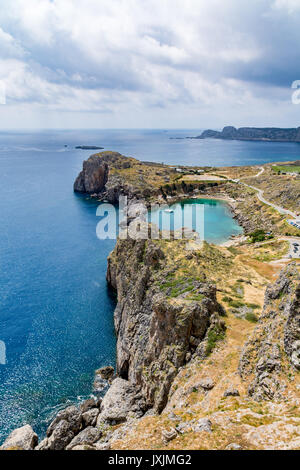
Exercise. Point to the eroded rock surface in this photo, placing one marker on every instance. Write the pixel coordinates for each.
(274, 345)
(23, 438)
(155, 334)
(93, 177)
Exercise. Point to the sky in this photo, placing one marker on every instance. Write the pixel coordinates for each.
(148, 63)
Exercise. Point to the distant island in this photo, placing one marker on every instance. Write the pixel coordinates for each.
(267, 134)
(88, 147)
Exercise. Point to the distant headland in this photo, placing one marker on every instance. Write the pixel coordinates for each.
(267, 134)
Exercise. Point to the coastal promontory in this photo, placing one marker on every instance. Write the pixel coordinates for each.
(269, 134)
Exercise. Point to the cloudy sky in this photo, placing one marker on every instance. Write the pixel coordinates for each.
(149, 63)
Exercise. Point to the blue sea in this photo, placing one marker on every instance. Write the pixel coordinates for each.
(56, 313)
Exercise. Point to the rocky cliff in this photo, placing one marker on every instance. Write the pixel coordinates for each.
(93, 177)
(158, 331)
(182, 383)
(162, 321)
(234, 401)
(108, 175)
(176, 367)
(272, 134)
(273, 351)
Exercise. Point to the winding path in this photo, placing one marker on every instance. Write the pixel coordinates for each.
(260, 196)
(291, 254)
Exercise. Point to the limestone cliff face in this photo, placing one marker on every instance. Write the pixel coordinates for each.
(93, 177)
(274, 348)
(156, 334)
(102, 176)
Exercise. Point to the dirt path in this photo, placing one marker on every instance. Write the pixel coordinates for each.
(260, 196)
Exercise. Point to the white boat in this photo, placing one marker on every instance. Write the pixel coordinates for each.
(169, 211)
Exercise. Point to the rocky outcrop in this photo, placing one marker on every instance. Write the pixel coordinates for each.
(273, 351)
(106, 373)
(73, 427)
(120, 402)
(21, 439)
(63, 429)
(102, 177)
(93, 178)
(155, 334)
(95, 173)
(269, 134)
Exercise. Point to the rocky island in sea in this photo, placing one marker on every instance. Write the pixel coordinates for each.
(268, 134)
(208, 349)
(88, 147)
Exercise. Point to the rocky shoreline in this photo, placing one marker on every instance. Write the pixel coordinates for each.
(150, 351)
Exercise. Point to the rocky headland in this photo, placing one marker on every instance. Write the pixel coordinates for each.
(267, 134)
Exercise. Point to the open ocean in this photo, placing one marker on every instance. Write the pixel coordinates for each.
(56, 313)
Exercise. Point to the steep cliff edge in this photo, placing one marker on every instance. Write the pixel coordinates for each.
(161, 320)
(93, 177)
(107, 175)
(273, 351)
(164, 319)
(234, 401)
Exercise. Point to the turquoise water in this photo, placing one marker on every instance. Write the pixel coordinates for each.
(211, 219)
(55, 309)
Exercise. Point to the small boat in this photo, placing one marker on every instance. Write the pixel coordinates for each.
(169, 211)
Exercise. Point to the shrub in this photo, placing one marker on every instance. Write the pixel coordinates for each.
(257, 236)
(251, 317)
(214, 335)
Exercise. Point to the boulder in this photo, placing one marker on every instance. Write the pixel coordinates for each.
(106, 373)
(203, 424)
(207, 384)
(23, 438)
(88, 405)
(60, 437)
(231, 392)
(63, 429)
(102, 446)
(71, 415)
(89, 418)
(233, 446)
(87, 437)
(120, 401)
(169, 435)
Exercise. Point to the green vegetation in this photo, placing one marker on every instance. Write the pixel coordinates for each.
(251, 317)
(279, 169)
(214, 335)
(233, 303)
(258, 235)
(196, 297)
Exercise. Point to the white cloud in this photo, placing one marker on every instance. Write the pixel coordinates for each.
(112, 56)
